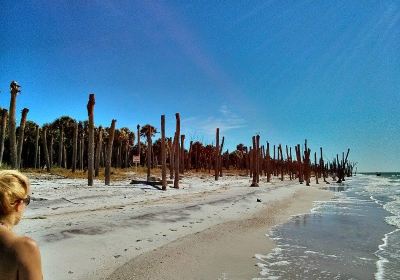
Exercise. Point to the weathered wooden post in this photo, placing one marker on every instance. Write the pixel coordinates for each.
(4, 115)
(299, 164)
(258, 159)
(21, 133)
(99, 147)
(107, 170)
(46, 152)
(90, 110)
(254, 163)
(171, 147)
(36, 164)
(219, 156)
(14, 90)
(216, 159)
(316, 168)
(149, 152)
(182, 154)
(322, 165)
(177, 153)
(138, 141)
(189, 163)
(268, 167)
(163, 156)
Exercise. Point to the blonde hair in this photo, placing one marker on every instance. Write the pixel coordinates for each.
(13, 186)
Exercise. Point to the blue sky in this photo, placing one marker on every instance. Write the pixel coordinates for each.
(328, 71)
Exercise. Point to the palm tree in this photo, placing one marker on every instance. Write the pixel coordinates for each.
(14, 90)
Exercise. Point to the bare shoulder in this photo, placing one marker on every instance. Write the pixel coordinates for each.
(28, 259)
(26, 247)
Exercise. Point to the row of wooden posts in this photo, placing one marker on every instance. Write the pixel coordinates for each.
(255, 161)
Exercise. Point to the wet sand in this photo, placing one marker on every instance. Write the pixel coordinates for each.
(225, 250)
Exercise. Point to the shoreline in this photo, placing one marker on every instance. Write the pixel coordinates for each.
(224, 250)
(101, 229)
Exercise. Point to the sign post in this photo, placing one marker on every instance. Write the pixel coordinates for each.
(136, 161)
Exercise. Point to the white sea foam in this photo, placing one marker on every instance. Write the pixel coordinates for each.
(280, 263)
(380, 264)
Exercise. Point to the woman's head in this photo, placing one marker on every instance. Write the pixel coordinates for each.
(14, 189)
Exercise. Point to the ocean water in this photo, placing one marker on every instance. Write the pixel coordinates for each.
(356, 235)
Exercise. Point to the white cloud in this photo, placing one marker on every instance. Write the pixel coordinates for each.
(225, 120)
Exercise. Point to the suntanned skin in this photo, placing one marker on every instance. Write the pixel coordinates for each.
(19, 256)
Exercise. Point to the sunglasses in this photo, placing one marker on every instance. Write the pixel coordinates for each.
(27, 200)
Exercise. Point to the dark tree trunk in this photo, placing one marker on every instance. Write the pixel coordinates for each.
(12, 126)
(61, 146)
(51, 150)
(149, 145)
(163, 157)
(75, 147)
(90, 109)
(182, 154)
(171, 147)
(4, 114)
(46, 152)
(99, 148)
(109, 153)
(36, 165)
(177, 134)
(216, 160)
(138, 142)
(21, 136)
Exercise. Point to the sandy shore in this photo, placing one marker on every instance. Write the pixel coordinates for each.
(200, 231)
(225, 250)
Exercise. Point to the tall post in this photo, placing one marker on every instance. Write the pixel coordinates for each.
(315, 168)
(182, 163)
(257, 159)
(268, 164)
(20, 141)
(177, 134)
(138, 141)
(107, 172)
(90, 109)
(46, 152)
(219, 156)
(149, 146)
(171, 158)
(4, 115)
(14, 90)
(216, 160)
(36, 165)
(99, 147)
(253, 168)
(163, 157)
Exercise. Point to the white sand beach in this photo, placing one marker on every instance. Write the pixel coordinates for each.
(201, 231)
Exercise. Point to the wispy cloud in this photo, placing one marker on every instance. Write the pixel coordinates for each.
(225, 120)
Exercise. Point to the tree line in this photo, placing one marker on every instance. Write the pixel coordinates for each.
(80, 145)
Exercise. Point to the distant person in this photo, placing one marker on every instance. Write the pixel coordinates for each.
(19, 255)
